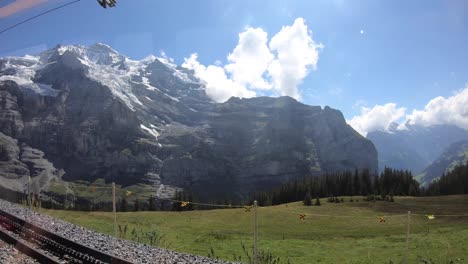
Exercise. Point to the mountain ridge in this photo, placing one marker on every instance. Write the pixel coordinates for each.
(415, 147)
(97, 114)
(453, 155)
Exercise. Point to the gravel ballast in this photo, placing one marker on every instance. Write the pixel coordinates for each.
(9, 255)
(131, 251)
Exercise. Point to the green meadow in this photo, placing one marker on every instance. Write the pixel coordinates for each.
(347, 232)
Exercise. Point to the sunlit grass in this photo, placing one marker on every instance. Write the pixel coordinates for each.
(348, 232)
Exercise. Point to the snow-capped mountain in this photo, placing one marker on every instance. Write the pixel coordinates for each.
(104, 65)
(415, 147)
(88, 112)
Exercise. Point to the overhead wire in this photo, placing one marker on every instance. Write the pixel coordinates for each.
(274, 208)
(327, 215)
(38, 15)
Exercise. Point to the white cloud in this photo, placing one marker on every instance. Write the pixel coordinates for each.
(296, 53)
(440, 110)
(377, 118)
(254, 66)
(452, 110)
(250, 59)
(218, 86)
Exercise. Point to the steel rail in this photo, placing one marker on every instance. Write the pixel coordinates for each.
(61, 247)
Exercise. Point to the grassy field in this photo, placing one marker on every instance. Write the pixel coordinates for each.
(348, 232)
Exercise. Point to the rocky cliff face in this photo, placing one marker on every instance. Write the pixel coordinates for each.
(82, 113)
(249, 144)
(18, 162)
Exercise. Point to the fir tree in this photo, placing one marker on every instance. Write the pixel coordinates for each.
(317, 201)
(151, 206)
(453, 182)
(123, 205)
(307, 199)
(136, 206)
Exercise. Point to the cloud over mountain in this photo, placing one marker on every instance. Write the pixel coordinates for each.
(256, 65)
(452, 110)
(378, 117)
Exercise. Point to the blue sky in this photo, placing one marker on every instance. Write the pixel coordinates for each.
(409, 52)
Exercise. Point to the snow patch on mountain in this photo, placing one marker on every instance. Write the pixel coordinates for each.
(172, 98)
(134, 67)
(113, 70)
(145, 82)
(149, 59)
(168, 62)
(182, 76)
(117, 80)
(98, 53)
(151, 131)
(103, 65)
(23, 71)
(30, 58)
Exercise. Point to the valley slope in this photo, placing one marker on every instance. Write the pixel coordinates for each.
(455, 154)
(415, 147)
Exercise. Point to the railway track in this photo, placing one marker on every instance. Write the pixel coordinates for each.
(48, 247)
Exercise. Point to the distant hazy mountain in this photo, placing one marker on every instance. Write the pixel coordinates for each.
(455, 154)
(83, 113)
(416, 147)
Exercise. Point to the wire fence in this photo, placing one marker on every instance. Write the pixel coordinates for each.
(345, 232)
